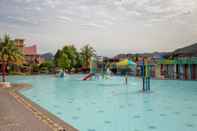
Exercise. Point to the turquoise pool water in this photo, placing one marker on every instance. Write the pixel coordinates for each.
(109, 105)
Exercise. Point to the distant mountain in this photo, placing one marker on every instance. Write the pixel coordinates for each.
(192, 50)
(47, 56)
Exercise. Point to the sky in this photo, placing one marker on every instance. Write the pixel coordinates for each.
(110, 26)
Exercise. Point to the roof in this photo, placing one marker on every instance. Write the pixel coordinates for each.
(187, 51)
(31, 50)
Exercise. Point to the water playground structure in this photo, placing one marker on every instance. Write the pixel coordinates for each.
(104, 71)
(98, 69)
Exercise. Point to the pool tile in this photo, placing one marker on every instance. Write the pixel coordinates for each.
(107, 122)
(189, 125)
(162, 114)
(78, 108)
(194, 115)
(136, 130)
(75, 117)
(100, 111)
(149, 110)
(91, 130)
(136, 116)
(121, 106)
(59, 113)
(190, 107)
(146, 101)
(56, 106)
(152, 127)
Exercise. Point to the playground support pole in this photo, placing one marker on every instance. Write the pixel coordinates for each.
(143, 89)
(145, 77)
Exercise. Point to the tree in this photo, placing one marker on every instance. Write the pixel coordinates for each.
(71, 52)
(87, 52)
(35, 68)
(56, 57)
(68, 58)
(78, 61)
(64, 62)
(9, 54)
(47, 65)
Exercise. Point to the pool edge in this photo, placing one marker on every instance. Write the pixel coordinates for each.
(39, 112)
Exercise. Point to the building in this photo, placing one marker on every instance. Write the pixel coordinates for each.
(183, 68)
(30, 53)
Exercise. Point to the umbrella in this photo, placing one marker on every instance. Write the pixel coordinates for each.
(126, 63)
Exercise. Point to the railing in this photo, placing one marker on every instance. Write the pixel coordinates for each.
(178, 61)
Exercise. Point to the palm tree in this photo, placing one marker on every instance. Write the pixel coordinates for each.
(87, 52)
(9, 54)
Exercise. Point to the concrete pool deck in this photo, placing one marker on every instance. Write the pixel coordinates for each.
(17, 113)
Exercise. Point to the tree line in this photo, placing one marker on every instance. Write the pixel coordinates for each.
(68, 58)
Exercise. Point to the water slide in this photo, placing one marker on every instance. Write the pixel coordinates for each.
(88, 76)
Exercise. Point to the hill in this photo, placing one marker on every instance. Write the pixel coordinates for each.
(47, 56)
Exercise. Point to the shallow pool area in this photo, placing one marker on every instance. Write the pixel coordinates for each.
(110, 105)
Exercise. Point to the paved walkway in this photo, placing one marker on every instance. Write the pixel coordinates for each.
(19, 114)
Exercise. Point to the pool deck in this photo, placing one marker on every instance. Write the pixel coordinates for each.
(17, 113)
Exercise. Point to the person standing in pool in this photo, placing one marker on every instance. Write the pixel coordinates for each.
(126, 79)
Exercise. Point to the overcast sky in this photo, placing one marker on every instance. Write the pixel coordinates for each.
(110, 26)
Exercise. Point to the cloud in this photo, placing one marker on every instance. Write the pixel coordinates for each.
(22, 20)
(37, 8)
(52, 3)
(64, 18)
(155, 8)
(108, 22)
(127, 17)
(93, 25)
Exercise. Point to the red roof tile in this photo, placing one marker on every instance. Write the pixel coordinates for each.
(31, 50)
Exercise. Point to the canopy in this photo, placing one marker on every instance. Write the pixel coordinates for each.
(126, 63)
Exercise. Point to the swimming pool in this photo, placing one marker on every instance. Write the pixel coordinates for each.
(109, 105)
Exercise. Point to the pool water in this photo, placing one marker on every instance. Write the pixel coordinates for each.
(110, 105)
